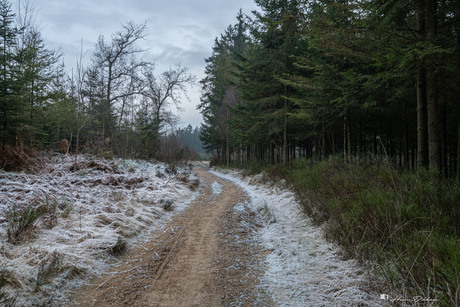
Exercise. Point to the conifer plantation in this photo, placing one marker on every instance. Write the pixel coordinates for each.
(319, 78)
(354, 103)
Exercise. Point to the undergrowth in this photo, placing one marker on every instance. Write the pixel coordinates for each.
(48, 268)
(22, 220)
(14, 158)
(406, 223)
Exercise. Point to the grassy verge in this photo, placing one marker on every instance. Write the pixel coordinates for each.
(408, 224)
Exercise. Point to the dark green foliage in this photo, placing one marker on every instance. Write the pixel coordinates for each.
(30, 81)
(190, 137)
(319, 78)
(373, 82)
(10, 104)
(220, 93)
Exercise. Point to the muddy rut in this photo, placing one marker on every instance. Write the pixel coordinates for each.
(203, 257)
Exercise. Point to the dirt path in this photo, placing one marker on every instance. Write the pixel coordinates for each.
(203, 257)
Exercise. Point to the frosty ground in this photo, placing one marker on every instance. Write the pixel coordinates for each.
(99, 204)
(93, 207)
(303, 269)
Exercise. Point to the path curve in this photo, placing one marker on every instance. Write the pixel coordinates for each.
(203, 257)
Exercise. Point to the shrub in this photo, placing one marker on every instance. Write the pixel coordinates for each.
(167, 205)
(194, 184)
(407, 223)
(21, 221)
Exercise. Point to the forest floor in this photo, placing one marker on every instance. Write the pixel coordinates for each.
(234, 247)
(197, 238)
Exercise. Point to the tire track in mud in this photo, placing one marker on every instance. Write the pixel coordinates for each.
(203, 257)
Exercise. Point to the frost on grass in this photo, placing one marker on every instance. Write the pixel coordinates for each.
(61, 224)
(216, 188)
(303, 269)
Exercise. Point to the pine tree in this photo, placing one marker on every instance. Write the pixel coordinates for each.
(11, 106)
(42, 83)
(276, 42)
(219, 91)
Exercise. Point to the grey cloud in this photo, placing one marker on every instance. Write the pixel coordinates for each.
(179, 31)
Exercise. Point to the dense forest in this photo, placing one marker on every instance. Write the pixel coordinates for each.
(355, 105)
(111, 104)
(320, 78)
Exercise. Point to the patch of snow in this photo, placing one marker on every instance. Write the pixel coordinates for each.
(95, 204)
(303, 268)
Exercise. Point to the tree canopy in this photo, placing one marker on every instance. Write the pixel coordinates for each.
(114, 104)
(320, 78)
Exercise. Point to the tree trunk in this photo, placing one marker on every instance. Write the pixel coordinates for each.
(271, 156)
(323, 140)
(433, 121)
(405, 139)
(227, 146)
(103, 133)
(422, 129)
(444, 166)
(127, 140)
(458, 150)
(333, 144)
(432, 90)
(285, 143)
(375, 143)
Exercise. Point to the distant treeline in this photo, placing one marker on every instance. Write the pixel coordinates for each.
(318, 78)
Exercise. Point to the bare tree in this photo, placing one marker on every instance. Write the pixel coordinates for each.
(119, 66)
(165, 91)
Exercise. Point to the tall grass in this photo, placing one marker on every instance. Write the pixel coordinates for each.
(408, 224)
(22, 221)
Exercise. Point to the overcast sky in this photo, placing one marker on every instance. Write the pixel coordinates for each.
(179, 31)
